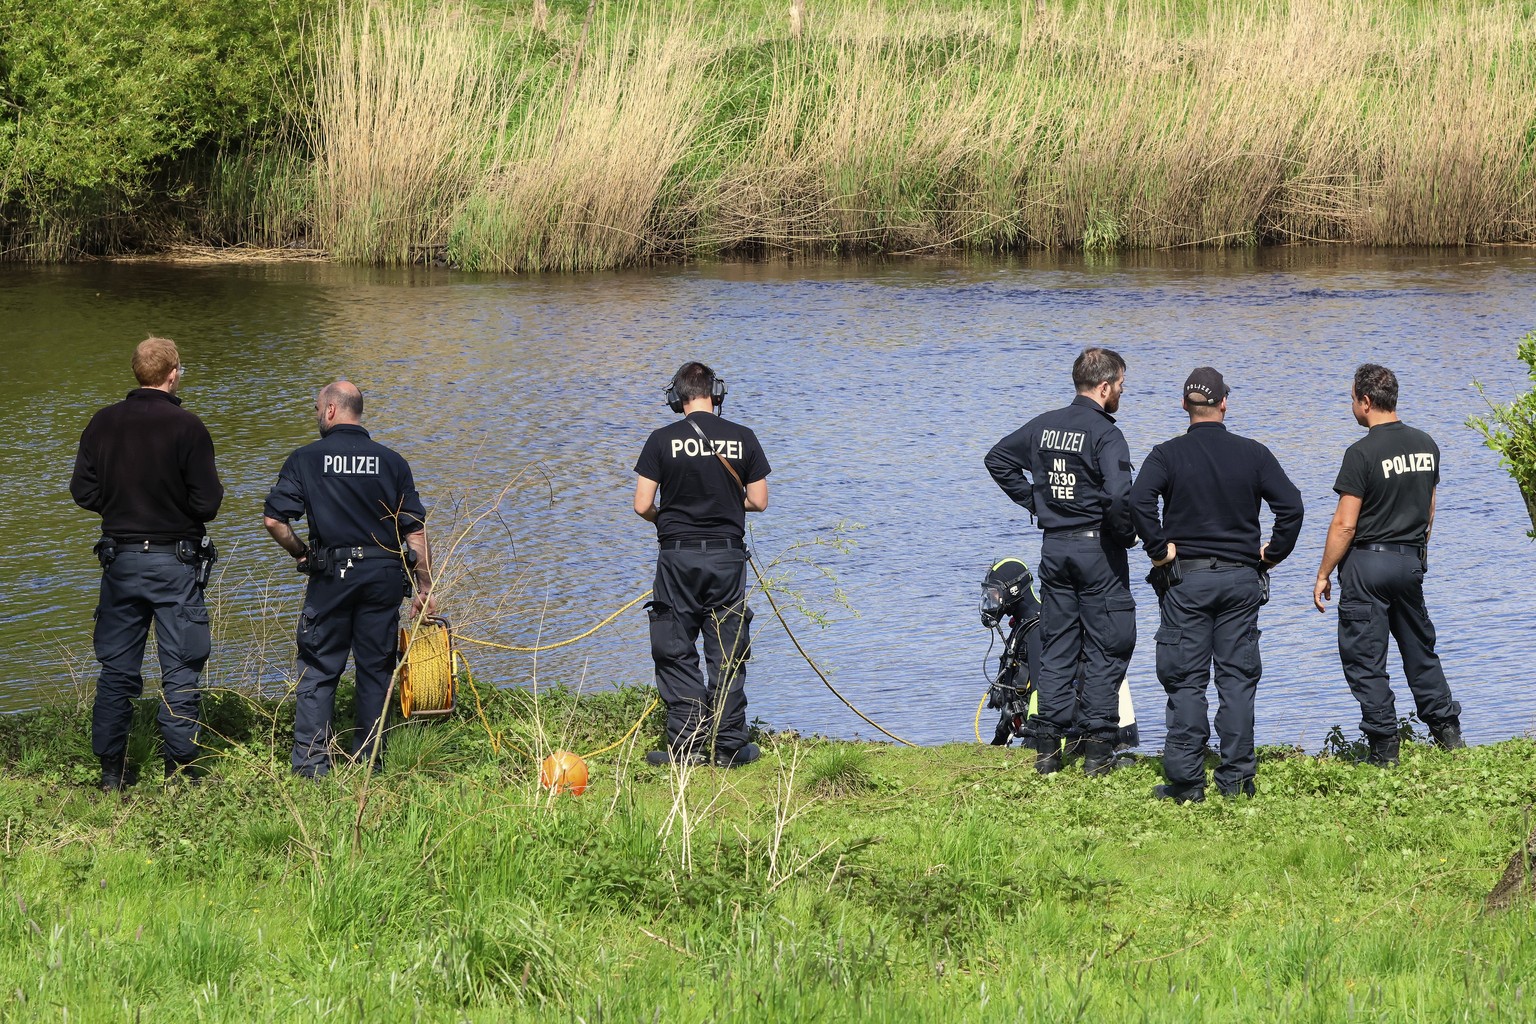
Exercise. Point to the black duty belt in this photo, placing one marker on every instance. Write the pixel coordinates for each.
(702, 544)
(1197, 564)
(1396, 549)
(1074, 533)
(363, 552)
(147, 547)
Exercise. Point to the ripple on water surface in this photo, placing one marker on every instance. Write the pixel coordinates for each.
(876, 389)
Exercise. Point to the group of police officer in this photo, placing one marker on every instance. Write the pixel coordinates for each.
(1195, 508)
(146, 465)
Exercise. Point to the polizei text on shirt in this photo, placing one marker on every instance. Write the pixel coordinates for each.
(1409, 462)
(696, 448)
(1062, 440)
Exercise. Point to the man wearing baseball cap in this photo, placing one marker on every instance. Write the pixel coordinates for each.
(1210, 568)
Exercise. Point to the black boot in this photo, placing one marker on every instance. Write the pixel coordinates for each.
(181, 771)
(1047, 753)
(113, 772)
(1448, 735)
(1244, 788)
(662, 758)
(738, 758)
(1384, 750)
(1098, 757)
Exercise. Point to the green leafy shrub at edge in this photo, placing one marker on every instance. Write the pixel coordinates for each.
(1510, 430)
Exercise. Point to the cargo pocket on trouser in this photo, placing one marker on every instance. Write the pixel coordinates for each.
(736, 634)
(196, 636)
(96, 638)
(1120, 626)
(1360, 641)
(668, 644)
(305, 636)
(1170, 657)
(1249, 656)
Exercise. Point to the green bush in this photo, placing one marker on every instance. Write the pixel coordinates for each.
(1510, 430)
(97, 96)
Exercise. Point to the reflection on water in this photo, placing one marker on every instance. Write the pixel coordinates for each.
(876, 389)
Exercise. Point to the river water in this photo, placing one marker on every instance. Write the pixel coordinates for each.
(876, 388)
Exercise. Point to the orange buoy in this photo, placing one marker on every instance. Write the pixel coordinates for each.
(564, 772)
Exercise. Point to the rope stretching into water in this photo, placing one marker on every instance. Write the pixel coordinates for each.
(768, 593)
(641, 720)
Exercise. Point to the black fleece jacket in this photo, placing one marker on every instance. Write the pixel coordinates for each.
(1210, 483)
(146, 466)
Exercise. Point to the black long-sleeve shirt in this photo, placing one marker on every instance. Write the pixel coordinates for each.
(1071, 468)
(1211, 481)
(146, 466)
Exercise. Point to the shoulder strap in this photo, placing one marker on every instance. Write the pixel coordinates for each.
(723, 460)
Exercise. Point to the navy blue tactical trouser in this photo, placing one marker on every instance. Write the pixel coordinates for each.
(702, 591)
(1381, 593)
(358, 612)
(137, 588)
(1087, 615)
(1210, 616)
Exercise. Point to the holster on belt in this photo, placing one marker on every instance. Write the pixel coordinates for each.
(1164, 578)
(410, 571)
(105, 551)
(207, 554)
(316, 561)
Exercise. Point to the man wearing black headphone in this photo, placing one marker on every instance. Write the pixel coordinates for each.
(696, 480)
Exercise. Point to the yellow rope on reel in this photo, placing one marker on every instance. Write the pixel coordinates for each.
(426, 677)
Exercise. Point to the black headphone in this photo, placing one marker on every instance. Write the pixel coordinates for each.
(717, 390)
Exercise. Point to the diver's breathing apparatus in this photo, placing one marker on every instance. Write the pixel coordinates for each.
(1008, 594)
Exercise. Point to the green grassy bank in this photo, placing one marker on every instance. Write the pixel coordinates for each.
(829, 881)
(499, 136)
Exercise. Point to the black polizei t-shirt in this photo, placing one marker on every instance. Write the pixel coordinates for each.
(698, 498)
(1393, 470)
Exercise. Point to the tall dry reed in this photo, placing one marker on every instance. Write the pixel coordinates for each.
(407, 103)
(584, 174)
(1119, 123)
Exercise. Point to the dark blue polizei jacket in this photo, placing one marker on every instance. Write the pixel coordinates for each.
(1071, 468)
(353, 490)
(1210, 482)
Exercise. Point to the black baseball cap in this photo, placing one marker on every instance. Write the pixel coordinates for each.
(1205, 387)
